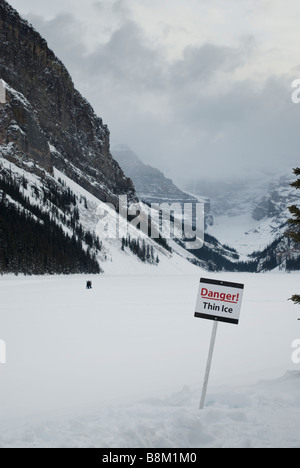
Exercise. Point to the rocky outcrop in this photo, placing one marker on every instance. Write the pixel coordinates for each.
(275, 202)
(22, 139)
(151, 184)
(46, 119)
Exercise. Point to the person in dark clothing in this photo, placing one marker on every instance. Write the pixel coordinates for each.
(89, 285)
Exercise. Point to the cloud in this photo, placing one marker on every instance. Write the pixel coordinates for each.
(64, 34)
(212, 110)
(115, 8)
(202, 63)
(127, 60)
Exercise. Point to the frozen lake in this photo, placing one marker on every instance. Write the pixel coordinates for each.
(132, 337)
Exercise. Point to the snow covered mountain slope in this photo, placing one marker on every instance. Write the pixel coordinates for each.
(249, 214)
(54, 148)
(260, 221)
(56, 166)
(241, 216)
(105, 222)
(61, 204)
(40, 227)
(47, 126)
(45, 120)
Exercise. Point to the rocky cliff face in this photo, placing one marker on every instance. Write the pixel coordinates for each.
(21, 137)
(151, 184)
(48, 122)
(275, 202)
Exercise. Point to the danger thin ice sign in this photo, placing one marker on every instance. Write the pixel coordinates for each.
(219, 301)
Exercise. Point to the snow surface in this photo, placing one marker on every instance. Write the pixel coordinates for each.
(266, 415)
(122, 365)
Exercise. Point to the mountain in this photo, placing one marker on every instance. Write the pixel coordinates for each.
(46, 120)
(230, 196)
(151, 184)
(251, 215)
(153, 187)
(59, 184)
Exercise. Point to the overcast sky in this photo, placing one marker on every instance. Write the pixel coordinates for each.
(198, 88)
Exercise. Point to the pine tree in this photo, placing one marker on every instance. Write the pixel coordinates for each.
(143, 251)
(152, 253)
(294, 233)
(148, 253)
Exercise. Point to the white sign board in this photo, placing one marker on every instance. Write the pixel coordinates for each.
(219, 301)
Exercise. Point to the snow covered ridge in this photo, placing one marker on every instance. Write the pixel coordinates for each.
(80, 216)
(108, 235)
(124, 245)
(40, 231)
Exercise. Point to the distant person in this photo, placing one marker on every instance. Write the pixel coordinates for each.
(89, 285)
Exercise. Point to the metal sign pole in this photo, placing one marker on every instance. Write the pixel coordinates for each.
(208, 366)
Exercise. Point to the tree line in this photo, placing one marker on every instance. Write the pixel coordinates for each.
(31, 239)
(143, 251)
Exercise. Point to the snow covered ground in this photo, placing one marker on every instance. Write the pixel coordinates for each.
(122, 365)
(266, 415)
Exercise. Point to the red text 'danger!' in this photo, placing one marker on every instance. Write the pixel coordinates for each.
(216, 296)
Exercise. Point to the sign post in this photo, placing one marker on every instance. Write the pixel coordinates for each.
(208, 366)
(219, 301)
